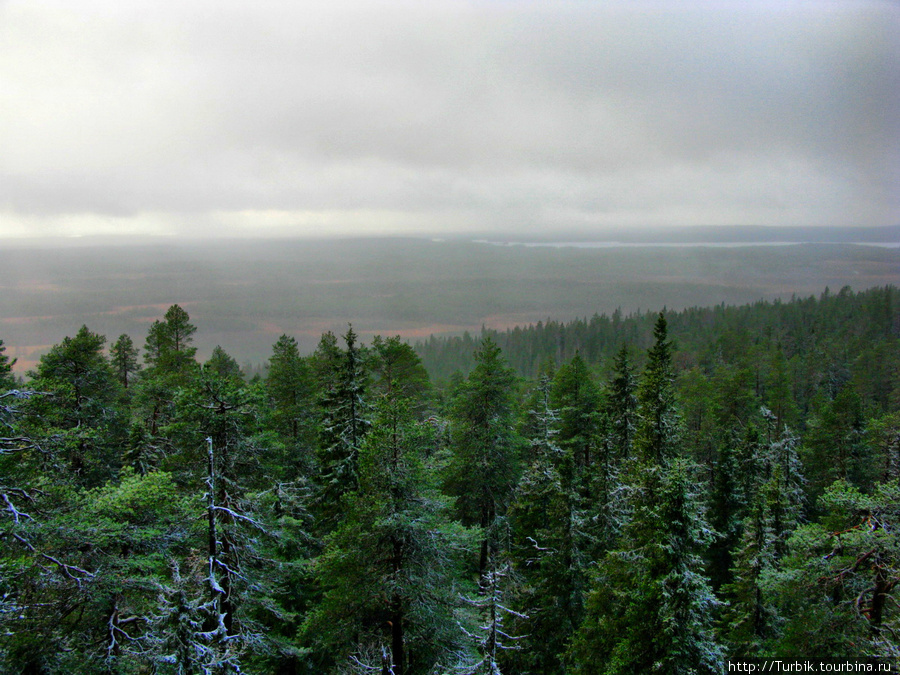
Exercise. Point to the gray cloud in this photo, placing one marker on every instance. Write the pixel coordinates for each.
(448, 115)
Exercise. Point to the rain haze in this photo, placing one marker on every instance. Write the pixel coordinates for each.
(283, 119)
(285, 167)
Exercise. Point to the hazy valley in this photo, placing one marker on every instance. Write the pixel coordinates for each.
(244, 294)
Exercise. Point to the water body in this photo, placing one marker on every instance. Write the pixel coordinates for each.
(703, 244)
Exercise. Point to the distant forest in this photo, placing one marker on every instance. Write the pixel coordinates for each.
(656, 492)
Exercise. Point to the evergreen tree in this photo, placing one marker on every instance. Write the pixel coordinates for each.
(836, 588)
(168, 347)
(727, 507)
(123, 357)
(546, 551)
(223, 365)
(621, 407)
(395, 364)
(650, 607)
(171, 366)
(345, 423)
(291, 408)
(387, 570)
(657, 435)
(492, 641)
(577, 399)
(483, 468)
(833, 447)
(7, 380)
(81, 418)
(751, 619)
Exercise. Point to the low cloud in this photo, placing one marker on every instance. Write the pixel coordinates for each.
(441, 117)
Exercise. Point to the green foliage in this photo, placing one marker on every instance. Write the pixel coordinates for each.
(290, 397)
(339, 515)
(836, 589)
(650, 608)
(7, 380)
(223, 365)
(395, 364)
(123, 357)
(483, 468)
(657, 437)
(79, 420)
(389, 571)
(168, 347)
(834, 448)
(344, 424)
(546, 551)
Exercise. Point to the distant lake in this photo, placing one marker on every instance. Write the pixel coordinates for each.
(704, 244)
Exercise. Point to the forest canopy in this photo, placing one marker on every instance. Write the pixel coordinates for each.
(654, 492)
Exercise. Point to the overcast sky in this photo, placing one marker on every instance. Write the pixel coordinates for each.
(275, 118)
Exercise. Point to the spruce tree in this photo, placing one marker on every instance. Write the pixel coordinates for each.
(291, 413)
(546, 550)
(123, 357)
(483, 468)
(345, 421)
(7, 381)
(650, 607)
(387, 571)
(621, 407)
(577, 399)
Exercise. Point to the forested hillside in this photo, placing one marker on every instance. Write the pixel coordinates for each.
(658, 492)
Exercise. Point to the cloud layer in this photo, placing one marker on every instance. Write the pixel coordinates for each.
(300, 118)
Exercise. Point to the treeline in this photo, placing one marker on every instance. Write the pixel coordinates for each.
(845, 328)
(658, 494)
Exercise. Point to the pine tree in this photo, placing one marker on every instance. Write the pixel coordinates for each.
(168, 347)
(836, 589)
(395, 364)
(171, 366)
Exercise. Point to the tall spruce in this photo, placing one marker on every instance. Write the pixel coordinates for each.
(650, 608)
(388, 570)
(7, 380)
(291, 409)
(123, 356)
(345, 421)
(546, 550)
(483, 468)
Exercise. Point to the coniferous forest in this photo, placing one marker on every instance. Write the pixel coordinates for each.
(658, 492)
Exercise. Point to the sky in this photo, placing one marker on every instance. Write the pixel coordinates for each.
(233, 119)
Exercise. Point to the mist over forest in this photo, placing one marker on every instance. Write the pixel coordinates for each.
(449, 338)
(245, 293)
